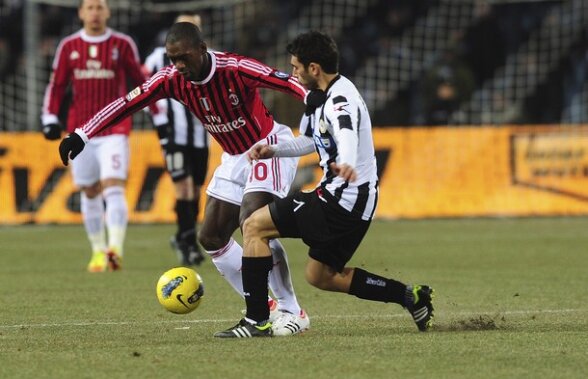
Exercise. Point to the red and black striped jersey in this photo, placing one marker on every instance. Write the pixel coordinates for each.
(97, 67)
(227, 101)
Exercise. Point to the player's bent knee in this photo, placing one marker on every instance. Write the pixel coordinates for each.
(210, 242)
(184, 189)
(112, 182)
(93, 190)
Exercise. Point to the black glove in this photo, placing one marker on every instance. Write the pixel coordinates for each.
(70, 147)
(314, 99)
(52, 131)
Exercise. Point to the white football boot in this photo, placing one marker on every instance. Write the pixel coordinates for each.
(288, 324)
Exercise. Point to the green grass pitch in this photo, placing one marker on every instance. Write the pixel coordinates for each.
(511, 302)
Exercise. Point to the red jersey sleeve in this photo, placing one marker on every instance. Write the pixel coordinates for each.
(257, 74)
(60, 79)
(155, 88)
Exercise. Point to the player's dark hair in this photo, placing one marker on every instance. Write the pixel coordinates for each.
(184, 31)
(316, 47)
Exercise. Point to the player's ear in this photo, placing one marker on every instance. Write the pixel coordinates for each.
(203, 47)
(314, 68)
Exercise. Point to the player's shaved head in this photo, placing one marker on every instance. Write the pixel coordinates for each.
(187, 51)
(184, 31)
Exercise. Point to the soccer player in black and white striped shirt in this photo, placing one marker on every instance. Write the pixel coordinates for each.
(333, 219)
(185, 147)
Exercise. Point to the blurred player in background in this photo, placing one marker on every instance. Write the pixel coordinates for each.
(97, 62)
(222, 90)
(185, 146)
(333, 219)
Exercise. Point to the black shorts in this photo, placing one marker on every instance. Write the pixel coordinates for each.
(332, 233)
(184, 161)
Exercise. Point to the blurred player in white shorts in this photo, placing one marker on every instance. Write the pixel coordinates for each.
(103, 158)
(106, 162)
(96, 62)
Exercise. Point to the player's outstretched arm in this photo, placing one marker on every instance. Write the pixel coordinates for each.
(140, 97)
(297, 147)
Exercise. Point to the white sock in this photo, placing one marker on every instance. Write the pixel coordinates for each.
(117, 217)
(228, 261)
(93, 216)
(280, 281)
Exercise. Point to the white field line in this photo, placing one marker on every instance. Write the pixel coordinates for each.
(323, 317)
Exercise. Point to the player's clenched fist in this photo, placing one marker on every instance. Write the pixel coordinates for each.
(70, 147)
(260, 152)
(344, 170)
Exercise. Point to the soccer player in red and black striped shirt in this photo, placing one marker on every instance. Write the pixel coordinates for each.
(222, 90)
(96, 62)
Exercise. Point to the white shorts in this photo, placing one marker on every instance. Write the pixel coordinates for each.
(102, 158)
(236, 176)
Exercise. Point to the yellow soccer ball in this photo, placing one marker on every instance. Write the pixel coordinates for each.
(180, 290)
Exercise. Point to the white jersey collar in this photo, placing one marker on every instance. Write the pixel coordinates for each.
(95, 39)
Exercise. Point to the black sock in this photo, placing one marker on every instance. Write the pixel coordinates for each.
(195, 209)
(366, 285)
(255, 273)
(186, 221)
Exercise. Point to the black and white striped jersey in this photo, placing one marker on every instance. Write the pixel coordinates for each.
(342, 133)
(186, 128)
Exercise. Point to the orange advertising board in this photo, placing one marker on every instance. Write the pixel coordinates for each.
(484, 171)
(424, 173)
